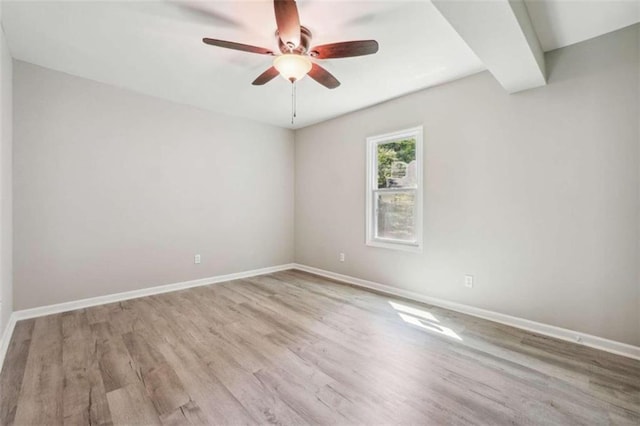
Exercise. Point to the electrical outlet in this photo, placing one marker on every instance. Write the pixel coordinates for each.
(468, 281)
(196, 259)
(341, 257)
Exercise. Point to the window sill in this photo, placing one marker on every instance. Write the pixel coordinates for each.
(414, 248)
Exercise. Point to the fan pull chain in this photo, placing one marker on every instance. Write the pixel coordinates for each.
(293, 101)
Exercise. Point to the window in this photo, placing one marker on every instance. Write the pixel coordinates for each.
(394, 190)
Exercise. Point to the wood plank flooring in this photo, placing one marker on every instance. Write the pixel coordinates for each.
(292, 348)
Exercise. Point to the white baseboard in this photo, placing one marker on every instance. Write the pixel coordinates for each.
(536, 327)
(596, 342)
(6, 338)
(117, 297)
(134, 294)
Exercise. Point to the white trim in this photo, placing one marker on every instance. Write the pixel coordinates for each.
(134, 294)
(536, 327)
(371, 187)
(577, 337)
(395, 245)
(116, 297)
(6, 338)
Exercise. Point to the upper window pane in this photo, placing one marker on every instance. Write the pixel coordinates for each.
(396, 162)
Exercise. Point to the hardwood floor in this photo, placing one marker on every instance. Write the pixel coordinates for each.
(292, 348)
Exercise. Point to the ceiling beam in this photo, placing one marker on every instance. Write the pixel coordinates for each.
(501, 34)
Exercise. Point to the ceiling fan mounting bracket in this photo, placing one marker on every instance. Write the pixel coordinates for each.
(302, 48)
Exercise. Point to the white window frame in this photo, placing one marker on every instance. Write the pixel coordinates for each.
(372, 179)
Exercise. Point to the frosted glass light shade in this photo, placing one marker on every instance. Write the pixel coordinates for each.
(292, 67)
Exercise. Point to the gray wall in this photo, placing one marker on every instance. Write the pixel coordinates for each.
(535, 194)
(116, 191)
(6, 226)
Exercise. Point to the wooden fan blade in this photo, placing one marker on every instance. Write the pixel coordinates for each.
(323, 77)
(345, 49)
(237, 46)
(288, 22)
(266, 77)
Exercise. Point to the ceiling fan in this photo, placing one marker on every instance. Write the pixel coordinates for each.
(294, 41)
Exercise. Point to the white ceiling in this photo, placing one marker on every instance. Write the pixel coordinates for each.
(154, 47)
(560, 23)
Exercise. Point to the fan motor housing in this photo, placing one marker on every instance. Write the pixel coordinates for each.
(303, 47)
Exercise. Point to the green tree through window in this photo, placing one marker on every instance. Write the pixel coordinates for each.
(388, 153)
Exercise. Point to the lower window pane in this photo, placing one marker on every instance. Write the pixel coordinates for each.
(396, 216)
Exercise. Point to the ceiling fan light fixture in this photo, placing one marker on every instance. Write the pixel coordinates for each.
(292, 67)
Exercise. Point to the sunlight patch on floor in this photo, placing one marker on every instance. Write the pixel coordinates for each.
(423, 319)
(413, 311)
